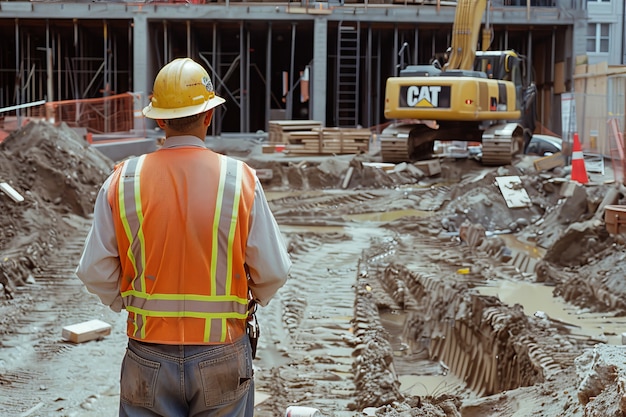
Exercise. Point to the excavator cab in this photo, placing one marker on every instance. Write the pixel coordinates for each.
(503, 65)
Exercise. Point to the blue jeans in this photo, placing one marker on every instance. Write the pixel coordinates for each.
(187, 380)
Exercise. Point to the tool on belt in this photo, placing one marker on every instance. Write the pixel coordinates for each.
(252, 326)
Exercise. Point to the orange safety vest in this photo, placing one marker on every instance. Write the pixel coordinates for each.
(181, 220)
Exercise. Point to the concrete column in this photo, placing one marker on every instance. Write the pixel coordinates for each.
(318, 73)
(143, 78)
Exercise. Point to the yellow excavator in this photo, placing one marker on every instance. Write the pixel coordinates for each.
(474, 97)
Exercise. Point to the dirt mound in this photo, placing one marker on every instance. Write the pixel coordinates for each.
(355, 173)
(58, 175)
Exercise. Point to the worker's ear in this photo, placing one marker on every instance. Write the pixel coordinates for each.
(161, 123)
(208, 117)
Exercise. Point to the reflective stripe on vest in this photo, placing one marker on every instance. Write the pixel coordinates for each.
(215, 308)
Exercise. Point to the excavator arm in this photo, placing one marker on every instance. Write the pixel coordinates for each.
(466, 27)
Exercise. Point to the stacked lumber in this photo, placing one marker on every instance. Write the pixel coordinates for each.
(304, 142)
(345, 140)
(279, 130)
(329, 140)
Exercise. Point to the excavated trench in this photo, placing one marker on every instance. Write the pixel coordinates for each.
(418, 307)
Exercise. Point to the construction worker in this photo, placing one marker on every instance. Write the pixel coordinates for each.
(180, 236)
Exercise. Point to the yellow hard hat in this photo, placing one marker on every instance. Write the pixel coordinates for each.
(182, 88)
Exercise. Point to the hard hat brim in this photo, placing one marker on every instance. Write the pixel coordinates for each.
(163, 113)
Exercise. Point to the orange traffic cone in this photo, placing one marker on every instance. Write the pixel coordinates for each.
(579, 172)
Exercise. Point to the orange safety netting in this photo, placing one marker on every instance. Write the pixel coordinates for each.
(106, 115)
(97, 115)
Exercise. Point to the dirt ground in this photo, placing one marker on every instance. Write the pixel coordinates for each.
(410, 294)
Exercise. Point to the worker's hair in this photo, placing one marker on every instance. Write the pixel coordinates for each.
(184, 124)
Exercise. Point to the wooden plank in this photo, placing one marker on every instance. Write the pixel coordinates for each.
(279, 129)
(559, 78)
(294, 123)
(549, 162)
(85, 331)
(346, 180)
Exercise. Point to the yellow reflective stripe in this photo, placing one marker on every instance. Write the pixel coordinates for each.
(233, 225)
(191, 314)
(139, 210)
(139, 269)
(123, 217)
(189, 297)
(216, 223)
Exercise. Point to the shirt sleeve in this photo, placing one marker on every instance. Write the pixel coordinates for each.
(99, 266)
(266, 253)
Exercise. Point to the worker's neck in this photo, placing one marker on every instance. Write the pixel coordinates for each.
(199, 132)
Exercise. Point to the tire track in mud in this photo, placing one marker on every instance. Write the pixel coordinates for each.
(41, 373)
(315, 310)
(331, 351)
(306, 350)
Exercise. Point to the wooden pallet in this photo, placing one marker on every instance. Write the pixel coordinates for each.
(329, 141)
(279, 130)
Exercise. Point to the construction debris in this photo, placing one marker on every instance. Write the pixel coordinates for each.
(549, 162)
(513, 191)
(10, 191)
(86, 331)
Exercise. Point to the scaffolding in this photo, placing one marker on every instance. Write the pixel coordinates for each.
(348, 52)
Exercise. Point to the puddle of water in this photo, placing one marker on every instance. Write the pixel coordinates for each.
(513, 243)
(278, 194)
(433, 385)
(291, 228)
(387, 216)
(536, 298)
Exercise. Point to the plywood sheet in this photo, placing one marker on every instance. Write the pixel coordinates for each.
(513, 191)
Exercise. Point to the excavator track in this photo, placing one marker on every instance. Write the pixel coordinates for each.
(394, 143)
(394, 149)
(500, 143)
(407, 142)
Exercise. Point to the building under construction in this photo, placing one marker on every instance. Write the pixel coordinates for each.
(323, 61)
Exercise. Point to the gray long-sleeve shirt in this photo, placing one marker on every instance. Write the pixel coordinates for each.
(266, 254)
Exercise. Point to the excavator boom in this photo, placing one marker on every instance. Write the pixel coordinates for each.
(465, 30)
